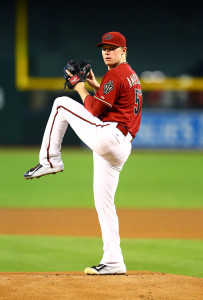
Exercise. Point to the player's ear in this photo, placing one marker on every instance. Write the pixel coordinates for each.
(124, 50)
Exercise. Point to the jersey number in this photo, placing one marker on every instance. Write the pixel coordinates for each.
(138, 96)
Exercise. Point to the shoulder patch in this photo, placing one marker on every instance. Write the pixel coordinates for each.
(108, 87)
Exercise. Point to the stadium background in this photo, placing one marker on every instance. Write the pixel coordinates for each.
(165, 48)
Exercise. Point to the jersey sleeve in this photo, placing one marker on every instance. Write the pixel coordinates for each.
(109, 90)
(94, 106)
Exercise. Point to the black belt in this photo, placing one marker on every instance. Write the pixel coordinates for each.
(122, 129)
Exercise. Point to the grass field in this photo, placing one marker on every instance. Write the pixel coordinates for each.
(148, 180)
(26, 253)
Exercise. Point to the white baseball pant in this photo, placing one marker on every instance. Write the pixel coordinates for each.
(110, 151)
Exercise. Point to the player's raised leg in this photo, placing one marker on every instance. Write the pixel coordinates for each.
(88, 128)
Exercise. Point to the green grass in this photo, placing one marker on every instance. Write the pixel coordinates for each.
(148, 180)
(49, 254)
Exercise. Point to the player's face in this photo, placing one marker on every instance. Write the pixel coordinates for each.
(113, 55)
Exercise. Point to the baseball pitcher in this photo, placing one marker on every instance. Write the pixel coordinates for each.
(107, 123)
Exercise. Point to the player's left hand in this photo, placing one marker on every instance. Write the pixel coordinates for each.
(77, 86)
(75, 72)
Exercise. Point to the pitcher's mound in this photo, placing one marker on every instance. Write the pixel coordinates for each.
(77, 285)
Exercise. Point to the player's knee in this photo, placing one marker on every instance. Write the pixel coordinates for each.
(58, 100)
(63, 101)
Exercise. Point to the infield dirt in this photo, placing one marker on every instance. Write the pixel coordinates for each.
(139, 223)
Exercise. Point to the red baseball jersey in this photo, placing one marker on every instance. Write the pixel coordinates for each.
(119, 98)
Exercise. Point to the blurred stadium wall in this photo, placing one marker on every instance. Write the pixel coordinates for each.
(165, 48)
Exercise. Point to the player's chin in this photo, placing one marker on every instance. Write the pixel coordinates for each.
(111, 65)
(108, 63)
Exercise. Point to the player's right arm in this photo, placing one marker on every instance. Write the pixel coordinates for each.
(91, 80)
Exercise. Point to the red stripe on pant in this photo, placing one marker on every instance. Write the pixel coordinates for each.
(48, 158)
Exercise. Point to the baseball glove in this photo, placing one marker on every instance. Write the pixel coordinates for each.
(79, 69)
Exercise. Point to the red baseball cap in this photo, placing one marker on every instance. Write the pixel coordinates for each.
(113, 38)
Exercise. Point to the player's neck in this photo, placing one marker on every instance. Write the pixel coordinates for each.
(116, 65)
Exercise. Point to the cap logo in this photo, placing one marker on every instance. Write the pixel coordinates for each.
(108, 37)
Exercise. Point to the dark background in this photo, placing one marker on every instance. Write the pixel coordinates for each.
(161, 36)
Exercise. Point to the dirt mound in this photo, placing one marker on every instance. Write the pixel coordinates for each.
(77, 285)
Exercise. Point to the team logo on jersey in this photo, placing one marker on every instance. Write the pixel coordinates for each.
(108, 87)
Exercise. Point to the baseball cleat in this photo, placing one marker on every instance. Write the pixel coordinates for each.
(41, 170)
(105, 270)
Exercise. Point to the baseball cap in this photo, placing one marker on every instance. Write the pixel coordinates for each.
(113, 38)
